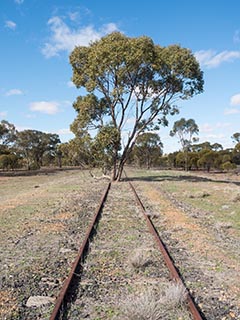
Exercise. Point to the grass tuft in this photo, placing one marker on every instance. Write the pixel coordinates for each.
(175, 294)
(156, 304)
(143, 307)
(140, 260)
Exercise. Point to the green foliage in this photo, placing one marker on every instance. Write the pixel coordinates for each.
(7, 136)
(236, 154)
(236, 137)
(33, 144)
(148, 149)
(76, 152)
(171, 159)
(185, 130)
(180, 160)
(130, 78)
(201, 146)
(8, 161)
(228, 166)
(193, 158)
(105, 146)
(207, 159)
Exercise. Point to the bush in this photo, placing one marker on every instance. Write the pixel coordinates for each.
(228, 166)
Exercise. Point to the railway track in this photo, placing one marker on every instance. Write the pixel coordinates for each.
(111, 269)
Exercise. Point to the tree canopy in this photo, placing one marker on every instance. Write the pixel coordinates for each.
(7, 135)
(33, 144)
(131, 86)
(148, 149)
(185, 130)
(236, 137)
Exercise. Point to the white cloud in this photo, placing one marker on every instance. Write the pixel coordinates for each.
(215, 136)
(222, 125)
(70, 84)
(65, 39)
(3, 114)
(205, 128)
(64, 131)
(10, 24)
(48, 107)
(19, 1)
(74, 16)
(211, 59)
(13, 92)
(231, 111)
(235, 100)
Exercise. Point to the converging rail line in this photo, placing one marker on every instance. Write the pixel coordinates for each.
(62, 298)
(167, 258)
(74, 277)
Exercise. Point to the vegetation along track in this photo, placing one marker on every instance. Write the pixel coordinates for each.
(44, 219)
(124, 276)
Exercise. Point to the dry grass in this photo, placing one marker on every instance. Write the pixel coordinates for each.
(156, 304)
(140, 259)
(175, 294)
(143, 307)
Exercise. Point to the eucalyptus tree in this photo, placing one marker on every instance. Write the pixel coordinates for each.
(148, 149)
(131, 86)
(7, 136)
(236, 154)
(236, 137)
(185, 130)
(33, 144)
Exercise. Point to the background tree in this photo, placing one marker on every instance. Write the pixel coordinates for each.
(201, 146)
(236, 154)
(7, 136)
(207, 159)
(131, 78)
(236, 137)
(172, 159)
(193, 158)
(185, 130)
(105, 147)
(148, 149)
(181, 160)
(32, 144)
(8, 161)
(216, 146)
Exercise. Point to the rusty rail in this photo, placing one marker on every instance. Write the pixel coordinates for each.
(63, 295)
(167, 258)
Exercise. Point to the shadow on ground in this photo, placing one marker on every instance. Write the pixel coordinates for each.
(180, 177)
(42, 171)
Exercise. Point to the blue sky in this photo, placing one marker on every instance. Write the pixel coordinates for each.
(37, 36)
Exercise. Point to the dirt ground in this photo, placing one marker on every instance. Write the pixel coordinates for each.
(43, 220)
(199, 215)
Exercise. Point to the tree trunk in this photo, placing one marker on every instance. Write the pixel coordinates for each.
(120, 171)
(186, 160)
(122, 161)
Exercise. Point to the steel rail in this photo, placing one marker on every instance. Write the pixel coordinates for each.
(63, 295)
(167, 258)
